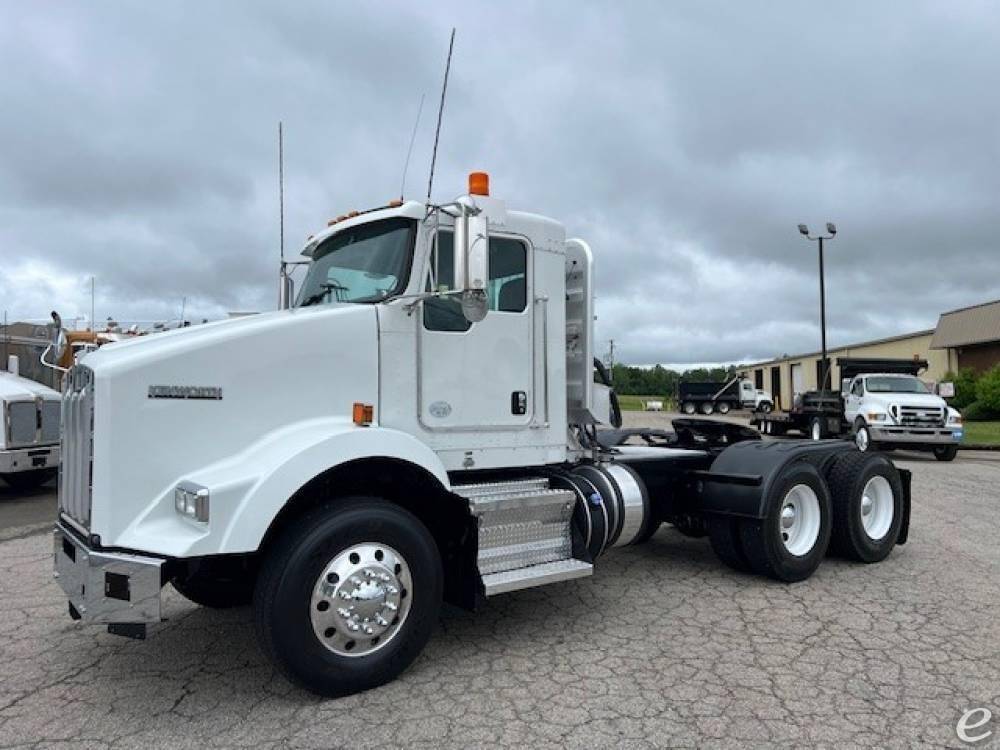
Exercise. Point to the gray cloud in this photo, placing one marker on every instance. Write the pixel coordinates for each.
(684, 141)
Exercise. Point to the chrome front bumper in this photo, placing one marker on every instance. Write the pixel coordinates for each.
(110, 587)
(917, 435)
(28, 459)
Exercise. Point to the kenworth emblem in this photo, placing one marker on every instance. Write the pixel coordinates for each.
(210, 392)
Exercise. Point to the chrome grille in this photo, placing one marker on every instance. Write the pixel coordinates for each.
(77, 459)
(921, 416)
(51, 414)
(22, 423)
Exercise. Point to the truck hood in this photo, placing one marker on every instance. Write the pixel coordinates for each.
(928, 400)
(171, 403)
(16, 388)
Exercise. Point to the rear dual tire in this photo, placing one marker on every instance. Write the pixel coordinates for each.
(856, 511)
(867, 506)
(789, 542)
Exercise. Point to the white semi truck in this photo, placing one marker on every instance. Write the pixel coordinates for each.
(421, 429)
(29, 430)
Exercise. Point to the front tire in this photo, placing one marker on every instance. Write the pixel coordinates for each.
(946, 452)
(863, 437)
(789, 543)
(348, 596)
(867, 506)
(24, 481)
(766, 407)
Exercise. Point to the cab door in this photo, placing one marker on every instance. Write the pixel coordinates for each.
(478, 375)
(852, 400)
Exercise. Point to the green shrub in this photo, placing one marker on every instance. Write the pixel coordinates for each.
(977, 411)
(988, 389)
(965, 387)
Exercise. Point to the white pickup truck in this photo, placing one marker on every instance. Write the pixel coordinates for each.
(889, 410)
(29, 440)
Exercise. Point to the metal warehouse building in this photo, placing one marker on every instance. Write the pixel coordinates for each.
(968, 337)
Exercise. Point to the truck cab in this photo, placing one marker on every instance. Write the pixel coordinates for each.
(891, 410)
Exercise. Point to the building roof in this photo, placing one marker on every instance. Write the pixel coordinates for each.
(978, 324)
(834, 349)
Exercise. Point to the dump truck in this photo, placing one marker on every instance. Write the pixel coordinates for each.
(422, 427)
(882, 405)
(707, 397)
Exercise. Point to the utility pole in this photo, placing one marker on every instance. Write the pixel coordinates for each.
(93, 284)
(825, 365)
(611, 359)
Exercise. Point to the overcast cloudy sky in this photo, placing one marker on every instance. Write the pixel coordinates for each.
(685, 141)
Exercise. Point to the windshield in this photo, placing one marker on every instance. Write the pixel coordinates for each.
(898, 384)
(366, 263)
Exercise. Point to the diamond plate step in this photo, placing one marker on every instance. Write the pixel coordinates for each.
(535, 575)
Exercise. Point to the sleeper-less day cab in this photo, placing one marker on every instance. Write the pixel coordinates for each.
(422, 429)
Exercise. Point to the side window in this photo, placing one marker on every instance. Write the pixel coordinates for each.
(856, 389)
(443, 313)
(507, 290)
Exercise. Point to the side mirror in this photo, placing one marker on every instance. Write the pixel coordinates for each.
(57, 337)
(472, 262)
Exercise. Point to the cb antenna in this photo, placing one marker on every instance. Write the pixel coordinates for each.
(281, 192)
(285, 291)
(406, 164)
(437, 131)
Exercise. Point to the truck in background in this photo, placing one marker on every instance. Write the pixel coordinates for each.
(431, 435)
(29, 438)
(708, 397)
(882, 405)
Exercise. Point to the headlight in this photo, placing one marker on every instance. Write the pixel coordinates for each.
(191, 500)
(876, 416)
(955, 420)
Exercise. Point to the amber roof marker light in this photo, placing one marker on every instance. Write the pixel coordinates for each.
(479, 183)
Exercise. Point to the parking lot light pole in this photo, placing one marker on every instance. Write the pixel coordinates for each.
(832, 230)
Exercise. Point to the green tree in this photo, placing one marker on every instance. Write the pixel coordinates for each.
(965, 387)
(988, 389)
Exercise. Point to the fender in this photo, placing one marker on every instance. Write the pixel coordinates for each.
(248, 489)
(742, 475)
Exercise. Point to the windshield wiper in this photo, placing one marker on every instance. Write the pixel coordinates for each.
(327, 288)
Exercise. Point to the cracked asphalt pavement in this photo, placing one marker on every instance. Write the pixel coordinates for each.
(662, 647)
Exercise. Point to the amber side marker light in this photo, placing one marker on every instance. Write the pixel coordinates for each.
(479, 183)
(364, 414)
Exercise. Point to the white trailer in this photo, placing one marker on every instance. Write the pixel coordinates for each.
(421, 429)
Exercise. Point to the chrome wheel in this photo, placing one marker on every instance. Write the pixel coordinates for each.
(707, 408)
(861, 439)
(877, 507)
(800, 520)
(688, 408)
(723, 408)
(361, 599)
